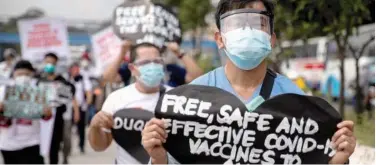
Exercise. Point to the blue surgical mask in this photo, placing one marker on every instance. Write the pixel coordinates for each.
(49, 68)
(151, 75)
(247, 47)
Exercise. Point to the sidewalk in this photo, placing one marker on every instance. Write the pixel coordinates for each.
(363, 155)
(90, 156)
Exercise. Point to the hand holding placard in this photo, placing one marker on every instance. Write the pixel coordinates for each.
(153, 137)
(213, 126)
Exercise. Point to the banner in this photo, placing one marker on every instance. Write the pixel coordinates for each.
(106, 47)
(142, 21)
(212, 126)
(41, 36)
(128, 125)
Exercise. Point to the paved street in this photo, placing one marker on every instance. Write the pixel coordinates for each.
(363, 155)
(92, 157)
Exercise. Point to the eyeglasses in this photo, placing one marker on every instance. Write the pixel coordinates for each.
(144, 62)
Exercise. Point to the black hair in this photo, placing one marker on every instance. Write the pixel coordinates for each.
(228, 5)
(52, 55)
(24, 64)
(133, 55)
(74, 64)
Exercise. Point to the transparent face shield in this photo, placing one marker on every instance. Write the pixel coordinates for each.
(242, 18)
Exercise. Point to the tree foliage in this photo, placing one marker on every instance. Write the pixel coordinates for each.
(334, 18)
(11, 25)
(191, 13)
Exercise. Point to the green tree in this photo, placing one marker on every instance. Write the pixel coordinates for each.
(11, 25)
(289, 25)
(337, 18)
(357, 53)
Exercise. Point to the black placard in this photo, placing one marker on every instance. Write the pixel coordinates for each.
(141, 21)
(212, 126)
(128, 125)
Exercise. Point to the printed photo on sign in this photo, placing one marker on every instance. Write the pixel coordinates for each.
(128, 125)
(60, 93)
(26, 102)
(212, 126)
(142, 21)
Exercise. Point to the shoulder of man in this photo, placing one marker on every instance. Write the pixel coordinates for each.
(285, 85)
(120, 93)
(118, 98)
(207, 79)
(168, 87)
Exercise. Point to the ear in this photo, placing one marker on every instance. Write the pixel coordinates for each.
(273, 40)
(219, 40)
(133, 69)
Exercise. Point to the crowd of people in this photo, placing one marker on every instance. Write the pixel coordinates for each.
(89, 93)
(144, 78)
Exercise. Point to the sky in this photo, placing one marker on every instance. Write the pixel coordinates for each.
(90, 10)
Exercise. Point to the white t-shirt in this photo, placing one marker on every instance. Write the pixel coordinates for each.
(20, 134)
(5, 69)
(82, 86)
(129, 97)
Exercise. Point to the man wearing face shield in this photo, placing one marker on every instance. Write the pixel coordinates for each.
(20, 140)
(147, 67)
(246, 37)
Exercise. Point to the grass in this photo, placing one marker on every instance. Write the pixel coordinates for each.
(364, 132)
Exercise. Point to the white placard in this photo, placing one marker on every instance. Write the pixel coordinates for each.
(41, 36)
(106, 47)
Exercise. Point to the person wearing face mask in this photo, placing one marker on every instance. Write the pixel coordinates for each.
(176, 74)
(246, 37)
(84, 99)
(148, 69)
(7, 65)
(20, 140)
(49, 76)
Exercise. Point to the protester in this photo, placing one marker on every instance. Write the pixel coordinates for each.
(147, 67)
(177, 75)
(84, 98)
(246, 37)
(49, 75)
(86, 65)
(7, 65)
(20, 140)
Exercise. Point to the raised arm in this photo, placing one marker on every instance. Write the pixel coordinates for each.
(193, 70)
(111, 71)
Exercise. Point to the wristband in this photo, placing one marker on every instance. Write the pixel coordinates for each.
(181, 55)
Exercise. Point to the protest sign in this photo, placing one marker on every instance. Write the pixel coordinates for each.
(25, 102)
(106, 47)
(128, 125)
(142, 21)
(212, 126)
(41, 36)
(60, 93)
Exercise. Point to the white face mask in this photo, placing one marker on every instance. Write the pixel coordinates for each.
(85, 64)
(21, 80)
